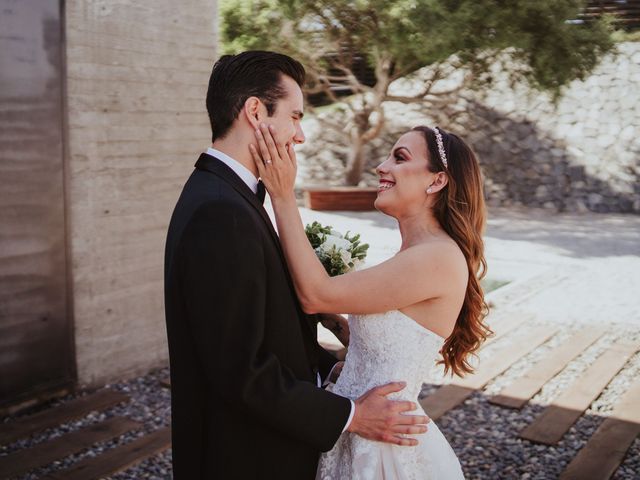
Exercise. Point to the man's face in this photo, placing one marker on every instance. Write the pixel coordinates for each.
(288, 114)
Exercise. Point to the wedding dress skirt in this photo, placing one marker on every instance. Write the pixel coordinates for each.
(384, 348)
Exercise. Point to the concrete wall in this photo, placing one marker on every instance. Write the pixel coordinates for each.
(137, 73)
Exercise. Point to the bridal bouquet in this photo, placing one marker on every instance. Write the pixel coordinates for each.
(338, 253)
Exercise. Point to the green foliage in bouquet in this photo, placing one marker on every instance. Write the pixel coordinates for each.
(338, 253)
(316, 234)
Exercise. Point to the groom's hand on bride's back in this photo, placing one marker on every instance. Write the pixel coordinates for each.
(378, 418)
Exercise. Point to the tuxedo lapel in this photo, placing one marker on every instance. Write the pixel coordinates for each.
(218, 168)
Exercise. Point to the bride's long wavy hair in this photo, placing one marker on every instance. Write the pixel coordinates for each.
(461, 211)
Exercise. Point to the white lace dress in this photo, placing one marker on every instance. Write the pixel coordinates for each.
(383, 348)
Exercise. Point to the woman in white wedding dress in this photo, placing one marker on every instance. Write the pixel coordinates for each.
(423, 303)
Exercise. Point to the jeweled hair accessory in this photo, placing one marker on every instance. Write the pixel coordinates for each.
(440, 143)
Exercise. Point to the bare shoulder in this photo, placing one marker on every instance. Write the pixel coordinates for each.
(444, 248)
(441, 255)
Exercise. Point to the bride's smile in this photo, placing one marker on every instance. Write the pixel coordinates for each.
(404, 177)
(385, 185)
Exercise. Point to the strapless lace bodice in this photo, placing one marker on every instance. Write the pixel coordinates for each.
(383, 348)
(387, 347)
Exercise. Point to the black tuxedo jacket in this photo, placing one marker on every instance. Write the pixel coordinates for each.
(243, 355)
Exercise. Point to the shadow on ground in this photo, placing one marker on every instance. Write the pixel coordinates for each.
(579, 235)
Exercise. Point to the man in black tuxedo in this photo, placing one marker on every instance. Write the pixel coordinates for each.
(245, 362)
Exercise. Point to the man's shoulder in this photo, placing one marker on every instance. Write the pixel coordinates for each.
(203, 187)
(210, 201)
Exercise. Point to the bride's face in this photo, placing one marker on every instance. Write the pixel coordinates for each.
(404, 177)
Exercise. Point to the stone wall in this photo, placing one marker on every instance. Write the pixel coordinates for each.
(579, 153)
(137, 73)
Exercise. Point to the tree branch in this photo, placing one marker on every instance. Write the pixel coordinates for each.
(427, 92)
(375, 129)
(349, 76)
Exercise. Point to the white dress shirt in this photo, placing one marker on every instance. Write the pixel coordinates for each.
(252, 182)
(243, 172)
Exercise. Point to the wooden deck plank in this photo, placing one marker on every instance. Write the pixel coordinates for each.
(524, 388)
(450, 396)
(605, 450)
(444, 399)
(502, 359)
(71, 410)
(44, 453)
(503, 326)
(116, 459)
(563, 412)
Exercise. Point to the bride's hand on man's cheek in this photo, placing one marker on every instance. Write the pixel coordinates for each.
(276, 163)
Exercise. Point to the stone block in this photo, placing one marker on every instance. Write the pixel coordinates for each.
(628, 133)
(542, 191)
(594, 199)
(576, 173)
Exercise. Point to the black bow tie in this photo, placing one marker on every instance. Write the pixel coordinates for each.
(261, 191)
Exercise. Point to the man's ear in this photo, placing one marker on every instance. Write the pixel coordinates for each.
(252, 111)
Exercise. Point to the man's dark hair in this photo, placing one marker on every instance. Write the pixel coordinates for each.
(235, 78)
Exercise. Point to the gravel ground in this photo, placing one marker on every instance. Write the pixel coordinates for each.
(149, 405)
(485, 436)
(566, 271)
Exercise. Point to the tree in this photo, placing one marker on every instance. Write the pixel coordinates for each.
(546, 42)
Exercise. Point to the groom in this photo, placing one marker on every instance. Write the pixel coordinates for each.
(245, 363)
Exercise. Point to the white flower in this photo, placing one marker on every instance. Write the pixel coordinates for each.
(357, 263)
(334, 249)
(346, 257)
(320, 252)
(335, 241)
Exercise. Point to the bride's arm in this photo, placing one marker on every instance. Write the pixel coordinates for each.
(413, 275)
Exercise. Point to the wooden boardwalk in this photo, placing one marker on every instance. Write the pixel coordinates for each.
(522, 390)
(50, 418)
(116, 459)
(606, 449)
(451, 395)
(107, 463)
(45, 453)
(563, 412)
(598, 459)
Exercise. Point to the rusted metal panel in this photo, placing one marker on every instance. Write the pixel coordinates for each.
(36, 343)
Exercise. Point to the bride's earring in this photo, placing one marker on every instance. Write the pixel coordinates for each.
(429, 190)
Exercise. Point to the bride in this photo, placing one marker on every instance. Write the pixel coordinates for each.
(423, 302)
